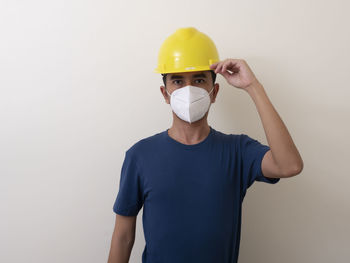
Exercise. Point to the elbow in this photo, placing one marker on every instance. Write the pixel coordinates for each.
(294, 170)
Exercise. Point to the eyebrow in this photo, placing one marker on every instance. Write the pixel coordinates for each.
(201, 75)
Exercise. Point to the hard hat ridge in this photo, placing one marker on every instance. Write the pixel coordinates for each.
(186, 50)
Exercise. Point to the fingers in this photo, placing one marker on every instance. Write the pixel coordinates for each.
(230, 65)
(224, 66)
(219, 66)
(227, 64)
(216, 66)
(226, 74)
(213, 66)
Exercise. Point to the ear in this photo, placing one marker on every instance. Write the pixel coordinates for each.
(215, 92)
(165, 94)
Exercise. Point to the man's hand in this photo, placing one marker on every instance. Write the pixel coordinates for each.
(284, 159)
(236, 72)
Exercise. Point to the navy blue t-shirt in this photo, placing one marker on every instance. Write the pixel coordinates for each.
(191, 194)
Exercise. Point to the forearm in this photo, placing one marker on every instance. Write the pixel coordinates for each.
(120, 250)
(283, 149)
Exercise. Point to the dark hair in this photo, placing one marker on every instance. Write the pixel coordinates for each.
(213, 76)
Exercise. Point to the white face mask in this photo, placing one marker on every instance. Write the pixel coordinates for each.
(190, 103)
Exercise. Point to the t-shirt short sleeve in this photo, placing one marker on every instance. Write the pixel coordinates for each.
(252, 153)
(129, 199)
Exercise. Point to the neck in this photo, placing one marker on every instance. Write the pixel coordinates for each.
(189, 133)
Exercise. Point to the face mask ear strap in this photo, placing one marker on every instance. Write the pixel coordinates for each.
(211, 90)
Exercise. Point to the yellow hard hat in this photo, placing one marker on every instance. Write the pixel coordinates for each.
(186, 50)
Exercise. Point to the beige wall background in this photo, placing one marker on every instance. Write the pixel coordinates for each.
(77, 89)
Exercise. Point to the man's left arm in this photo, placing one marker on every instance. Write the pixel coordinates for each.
(283, 159)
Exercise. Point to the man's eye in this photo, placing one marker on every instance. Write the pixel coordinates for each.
(200, 80)
(175, 81)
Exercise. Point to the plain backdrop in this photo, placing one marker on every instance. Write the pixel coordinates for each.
(77, 89)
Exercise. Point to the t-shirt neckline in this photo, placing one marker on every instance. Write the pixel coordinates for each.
(188, 146)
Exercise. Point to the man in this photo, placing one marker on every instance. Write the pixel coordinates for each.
(191, 179)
